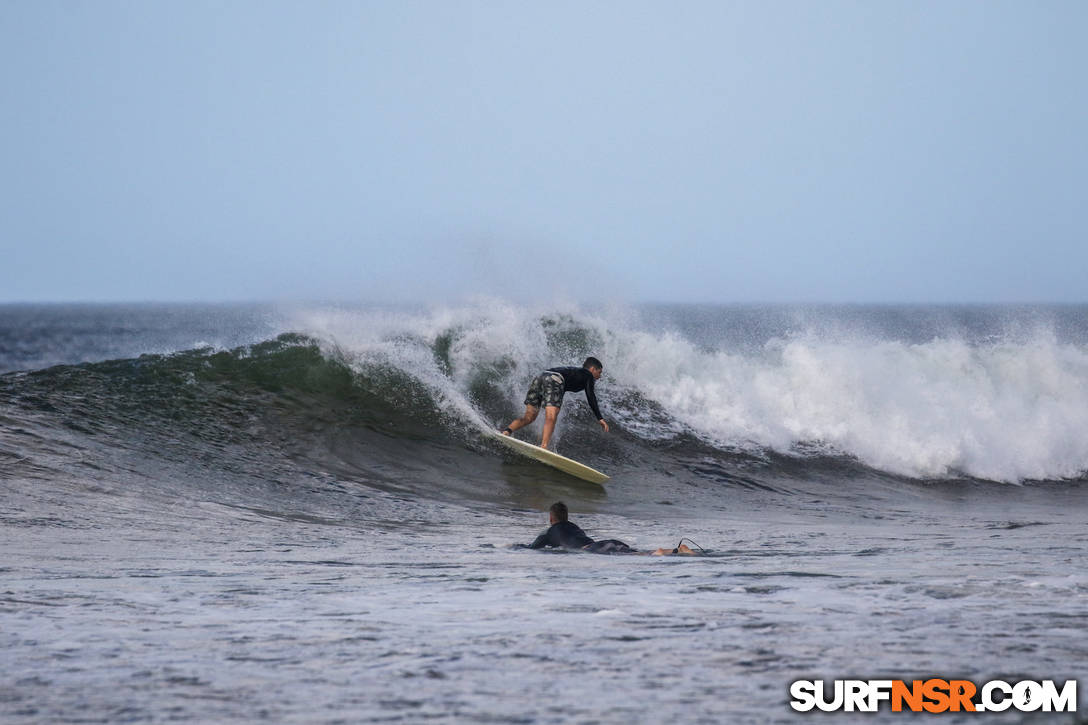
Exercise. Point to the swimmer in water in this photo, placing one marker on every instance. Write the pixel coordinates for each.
(563, 534)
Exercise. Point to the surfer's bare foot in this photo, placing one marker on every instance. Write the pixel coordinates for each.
(506, 431)
(683, 549)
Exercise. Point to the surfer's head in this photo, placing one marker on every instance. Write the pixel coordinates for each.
(558, 512)
(594, 366)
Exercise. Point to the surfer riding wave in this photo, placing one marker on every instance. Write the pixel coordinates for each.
(547, 391)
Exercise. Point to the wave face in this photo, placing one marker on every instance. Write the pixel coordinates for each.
(700, 398)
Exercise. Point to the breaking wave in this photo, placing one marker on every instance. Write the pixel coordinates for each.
(399, 399)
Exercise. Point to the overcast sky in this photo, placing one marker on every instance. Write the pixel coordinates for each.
(799, 151)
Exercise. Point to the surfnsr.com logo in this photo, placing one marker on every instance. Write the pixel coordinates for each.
(933, 695)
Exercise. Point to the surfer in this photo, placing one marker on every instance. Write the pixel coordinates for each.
(563, 534)
(547, 390)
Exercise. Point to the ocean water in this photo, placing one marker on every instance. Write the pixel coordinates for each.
(291, 513)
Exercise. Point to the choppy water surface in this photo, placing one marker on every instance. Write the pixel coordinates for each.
(311, 528)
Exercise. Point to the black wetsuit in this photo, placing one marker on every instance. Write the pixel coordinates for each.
(566, 535)
(575, 380)
(563, 535)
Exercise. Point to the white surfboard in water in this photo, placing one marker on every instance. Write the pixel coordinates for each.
(567, 465)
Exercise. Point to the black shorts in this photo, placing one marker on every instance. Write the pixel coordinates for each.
(609, 546)
(546, 390)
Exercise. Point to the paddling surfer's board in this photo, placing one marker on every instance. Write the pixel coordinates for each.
(564, 464)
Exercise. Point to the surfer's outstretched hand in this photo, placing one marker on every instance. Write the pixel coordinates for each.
(603, 424)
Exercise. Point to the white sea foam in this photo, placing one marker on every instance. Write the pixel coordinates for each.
(999, 410)
(1003, 411)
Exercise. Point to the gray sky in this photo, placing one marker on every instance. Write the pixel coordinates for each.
(812, 150)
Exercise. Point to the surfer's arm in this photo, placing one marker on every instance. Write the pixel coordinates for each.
(591, 398)
(541, 541)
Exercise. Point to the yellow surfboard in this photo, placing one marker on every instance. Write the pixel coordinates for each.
(564, 464)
